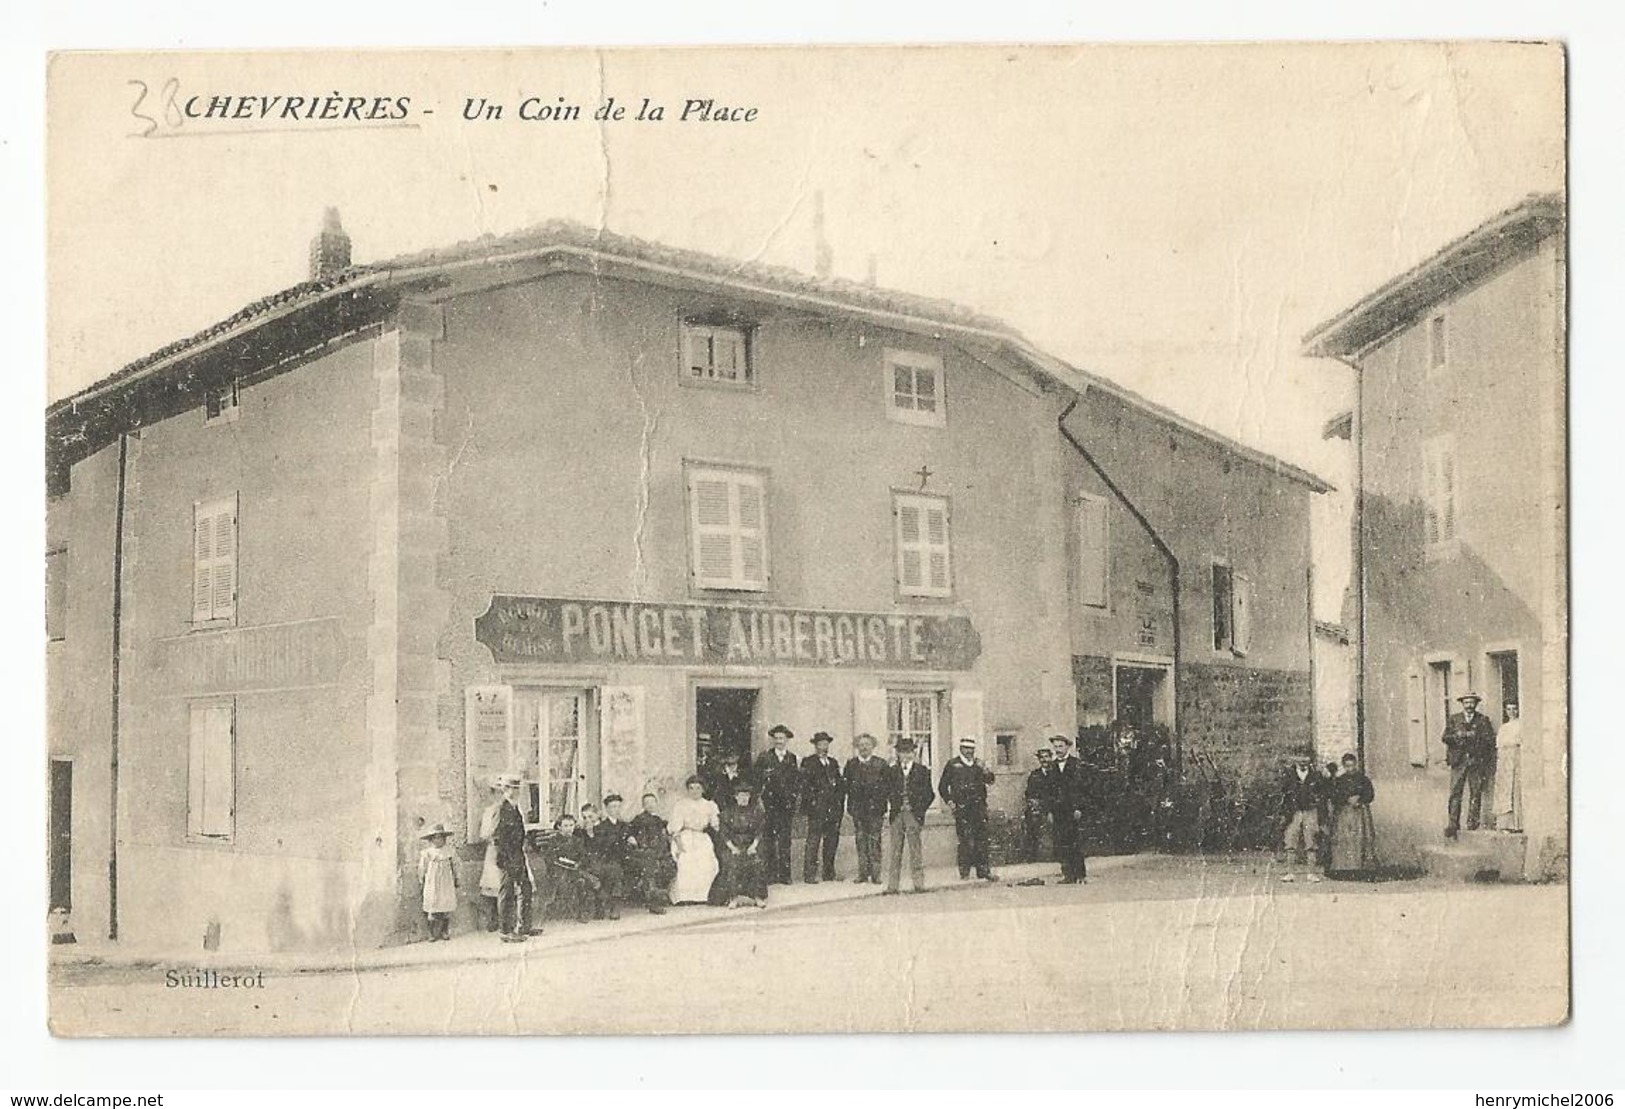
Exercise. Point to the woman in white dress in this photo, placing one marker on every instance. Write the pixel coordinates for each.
(691, 845)
(1509, 772)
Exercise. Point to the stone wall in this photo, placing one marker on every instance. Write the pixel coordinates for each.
(1246, 720)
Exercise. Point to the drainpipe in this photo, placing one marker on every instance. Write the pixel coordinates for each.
(1162, 548)
(1357, 434)
(118, 615)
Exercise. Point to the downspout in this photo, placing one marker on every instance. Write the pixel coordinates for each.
(1357, 433)
(118, 615)
(1156, 541)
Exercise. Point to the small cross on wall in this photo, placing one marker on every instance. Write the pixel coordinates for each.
(924, 473)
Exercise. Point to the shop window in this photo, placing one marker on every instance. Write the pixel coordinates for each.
(1232, 610)
(1093, 556)
(220, 404)
(211, 788)
(1004, 749)
(56, 594)
(924, 563)
(915, 388)
(914, 714)
(717, 355)
(1439, 490)
(214, 560)
(728, 529)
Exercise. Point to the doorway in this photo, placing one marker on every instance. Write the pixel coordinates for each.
(725, 723)
(1141, 694)
(1437, 705)
(60, 845)
(1503, 683)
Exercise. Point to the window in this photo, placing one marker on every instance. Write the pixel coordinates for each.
(220, 404)
(719, 355)
(56, 594)
(1093, 557)
(211, 787)
(1232, 610)
(214, 560)
(1005, 749)
(924, 568)
(728, 529)
(1437, 353)
(1439, 489)
(913, 714)
(914, 388)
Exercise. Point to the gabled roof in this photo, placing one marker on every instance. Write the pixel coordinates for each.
(1506, 237)
(280, 327)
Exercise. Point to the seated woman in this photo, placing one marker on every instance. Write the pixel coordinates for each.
(569, 887)
(743, 880)
(691, 819)
(1354, 839)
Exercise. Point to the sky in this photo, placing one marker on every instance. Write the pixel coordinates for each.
(1175, 218)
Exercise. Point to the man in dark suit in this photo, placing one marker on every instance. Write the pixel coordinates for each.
(964, 787)
(605, 857)
(866, 800)
(650, 843)
(823, 797)
(1302, 790)
(778, 782)
(1036, 806)
(908, 798)
(514, 896)
(1066, 807)
(720, 779)
(1469, 744)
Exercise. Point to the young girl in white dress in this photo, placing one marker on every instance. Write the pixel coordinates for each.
(691, 846)
(437, 870)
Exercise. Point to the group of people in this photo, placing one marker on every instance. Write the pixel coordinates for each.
(1326, 819)
(1476, 752)
(1054, 803)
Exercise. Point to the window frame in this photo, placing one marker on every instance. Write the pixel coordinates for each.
(1103, 504)
(915, 361)
(747, 341)
(207, 509)
(196, 828)
(697, 469)
(230, 404)
(923, 501)
(938, 696)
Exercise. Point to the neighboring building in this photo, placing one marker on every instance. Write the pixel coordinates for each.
(1461, 523)
(596, 510)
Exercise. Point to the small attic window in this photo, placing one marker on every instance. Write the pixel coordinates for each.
(715, 354)
(220, 404)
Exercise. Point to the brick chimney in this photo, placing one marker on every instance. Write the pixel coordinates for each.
(330, 249)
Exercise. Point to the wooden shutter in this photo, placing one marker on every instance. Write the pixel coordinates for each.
(1092, 551)
(924, 561)
(728, 521)
(910, 558)
(214, 559)
(965, 708)
(487, 745)
(1241, 613)
(1416, 736)
(210, 786)
(939, 570)
(751, 499)
(869, 715)
(1447, 491)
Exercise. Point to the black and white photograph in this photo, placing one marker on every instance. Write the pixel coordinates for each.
(807, 540)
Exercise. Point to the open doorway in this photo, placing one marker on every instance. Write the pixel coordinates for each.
(1437, 704)
(724, 723)
(1142, 693)
(1503, 684)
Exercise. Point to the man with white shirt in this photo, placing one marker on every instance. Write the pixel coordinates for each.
(964, 787)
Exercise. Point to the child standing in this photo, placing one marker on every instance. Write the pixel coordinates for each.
(437, 870)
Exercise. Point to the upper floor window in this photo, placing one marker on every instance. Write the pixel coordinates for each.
(1438, 355)
(1093, 556)
(728, 528)
(1439, 489)
(220, 404)
(717, 355)
(1232, 610)
(56, 594)
(214, 560)
(915, 392)
(924, 564)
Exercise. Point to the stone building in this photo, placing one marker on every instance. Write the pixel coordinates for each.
(1460, 527)
(596, 510)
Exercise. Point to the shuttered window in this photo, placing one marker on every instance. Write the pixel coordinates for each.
(1439, 489)
(728, 529)
(1232, 610)
(924, 563)
(211, 787)
(214, 560)
(1093, 558)
(915, 388)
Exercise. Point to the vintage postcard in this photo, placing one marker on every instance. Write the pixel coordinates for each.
(807, 540)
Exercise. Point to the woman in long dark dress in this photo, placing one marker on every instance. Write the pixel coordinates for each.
(1354, 839)
(743, 878)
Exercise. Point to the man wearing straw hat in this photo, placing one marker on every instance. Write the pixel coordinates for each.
(964, 787)
(1469, 744)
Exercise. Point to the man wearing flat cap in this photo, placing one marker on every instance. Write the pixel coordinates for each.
(778, 781)
(823, 797)
(1469, 744)
(963, 786)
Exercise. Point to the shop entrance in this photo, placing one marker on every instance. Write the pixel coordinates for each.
(724, 723)
(1142, 694)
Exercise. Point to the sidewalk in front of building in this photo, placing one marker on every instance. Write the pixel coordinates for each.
(485, 947)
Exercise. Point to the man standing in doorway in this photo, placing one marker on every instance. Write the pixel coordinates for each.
(1469, 743)
(778, 780)
(866, 799)
(822, 799)
(964, 786)
(1066, 801)
(909, 796)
